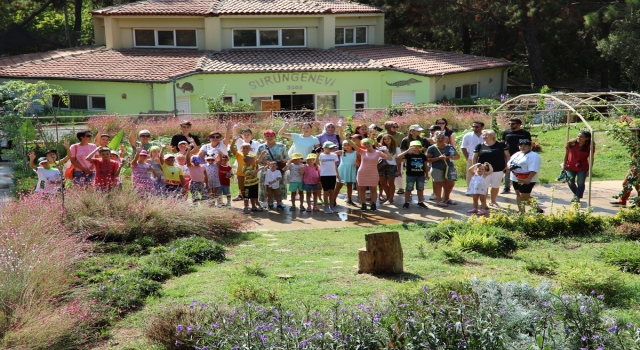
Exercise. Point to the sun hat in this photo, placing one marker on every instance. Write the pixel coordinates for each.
(329, 144)
(154, 148)
(415, 143)
(249, 156)
(143, 132)
(196, 160)
(144, 153)
(312, 156)
(297, 156)
(167, 156)
(209, 157)
(416, 127)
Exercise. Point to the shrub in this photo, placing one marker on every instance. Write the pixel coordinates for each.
(467, 237)
(624, 255)
(446, 229)
(125, 292)
(626, 215)
(169, 258)
(199, 249)
(628, 230)
(541, 266)
(453, 256)
(140, 246)
(591, 277)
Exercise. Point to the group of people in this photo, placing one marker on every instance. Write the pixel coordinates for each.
(316, 167)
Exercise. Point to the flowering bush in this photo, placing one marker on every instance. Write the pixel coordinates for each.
(492, 316)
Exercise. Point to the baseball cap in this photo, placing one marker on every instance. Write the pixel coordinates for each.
(416, 127)
(144, 153)
(144, 132)
(245, 144)
(415, 143)
(434, 127)
(181, 142)
(42, 160)
(328, 144)
(524, 142)
(167, 156)
(296, 156)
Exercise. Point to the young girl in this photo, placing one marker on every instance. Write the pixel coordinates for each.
(181, 159)
(347, 170)
(272, 184)
(156, 164)
(141, 171)
(311, 179)
(478, 187)
(388, 175)
(329, 175)
(225, 172)
(213, 174)
(198, 178)
(294, 165)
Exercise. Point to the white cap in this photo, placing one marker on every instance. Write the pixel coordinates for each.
(142, 132)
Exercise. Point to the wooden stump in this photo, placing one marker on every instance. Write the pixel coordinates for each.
(383, 254)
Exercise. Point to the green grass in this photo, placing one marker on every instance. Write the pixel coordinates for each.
(323, 262)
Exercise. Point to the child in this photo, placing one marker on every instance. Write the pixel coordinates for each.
(118, 159)
(107, 170)
(478, 187)
(311, 178)
(213, 178)
(49, 178)
(156, 164)
(173, 175)
(199, 184)
(272, 184)
(417, 172)
(224, 175)
(294, 165)
(181, 159)
(141, 172)
(329, 175)
(251, 181)
(347, 169)
(244, 150)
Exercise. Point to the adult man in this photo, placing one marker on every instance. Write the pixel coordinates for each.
(469, 142)
(185, 135)
(511, 138)
(144, 136)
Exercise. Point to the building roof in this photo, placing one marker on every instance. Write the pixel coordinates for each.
(423, 62)
(99, 63)
(235, 7)
(161, 65)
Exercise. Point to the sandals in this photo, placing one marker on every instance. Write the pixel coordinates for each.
(452, 202)
(442, 204)
(257, 209)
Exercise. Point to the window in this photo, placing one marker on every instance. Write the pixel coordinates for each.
(165, 38)
(269, 38)
(351, 36)
(329, 102)
(359, 100)
(470, 90)
(83, 102)
(229, 99)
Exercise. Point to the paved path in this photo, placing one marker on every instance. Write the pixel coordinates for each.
(6, 183)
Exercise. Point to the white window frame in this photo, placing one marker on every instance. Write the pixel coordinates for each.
(462, 89)
(267, 46)
(233, 98)
(366, 100)
(155, 37)
(89, 103)
(354, 35)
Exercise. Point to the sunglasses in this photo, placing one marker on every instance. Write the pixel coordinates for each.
(513, 123)
(394, 126)
(88, 135)
(475, 126)
(215, 137)
(145, 135)
(441, 123)
(185, 126)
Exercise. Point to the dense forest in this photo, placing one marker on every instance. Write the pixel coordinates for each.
(548, 40)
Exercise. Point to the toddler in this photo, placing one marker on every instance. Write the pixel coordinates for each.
(251, 181)
(478, 187)
(272, 184)
(213, 174)
(225, 173)
(245, 148)
(311, 178)
(294, 165)
(198, 183)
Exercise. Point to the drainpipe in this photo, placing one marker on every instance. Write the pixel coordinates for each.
(502, 91)
(153, 108)
(175, 105)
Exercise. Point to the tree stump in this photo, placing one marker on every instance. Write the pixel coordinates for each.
(383, 254)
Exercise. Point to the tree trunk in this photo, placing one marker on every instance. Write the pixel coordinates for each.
(383, 254)
(33, 15)
(534, 53)
(77, 22)
(466, 40)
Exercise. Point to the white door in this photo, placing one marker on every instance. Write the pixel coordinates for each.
(183, 105)
(398, 97)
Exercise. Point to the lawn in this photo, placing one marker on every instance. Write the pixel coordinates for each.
(299, 268)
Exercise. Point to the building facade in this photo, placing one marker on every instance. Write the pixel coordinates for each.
(163, 55)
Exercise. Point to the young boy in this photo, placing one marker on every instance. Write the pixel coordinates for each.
(198, 184)
(225, 172)
(272, 184)
(173, 175)
(49, 178)
(328, 174)
(107, 170)
(245, 148)
(417, 172)
(251, 181)
(294, 165)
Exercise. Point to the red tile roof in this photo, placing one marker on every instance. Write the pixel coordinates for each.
(266, 60)
(427, 62)
(99, 63)
(235, 7)
(157, 65)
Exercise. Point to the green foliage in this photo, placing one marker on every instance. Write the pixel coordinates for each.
(254, 270)
(469, 237)
(624, 255)
(586, 277)
(140, 246)
(199, 249)
(216, 104)
(453, 256)
(253, 292)
(126, 292)
(540, 265)
(116, 141)
(445, 230)
(176, 262)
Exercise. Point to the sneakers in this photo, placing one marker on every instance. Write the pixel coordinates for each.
(618, 204)
(293, 208)
(373, 206)
(363, 207)
(327, 210)
(422, 205)
(405, 205)
(350, 202)
(482, 212)
(246, 211)
(238, 198)
(315, 208)
(433, 197)
(468, 193)
(280, 206)
(505, 190)
(309, 208)
(400, 191)
(575, 199)
(472, 211)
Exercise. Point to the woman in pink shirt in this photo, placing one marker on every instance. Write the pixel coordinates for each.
(576, 162)
(83, 173)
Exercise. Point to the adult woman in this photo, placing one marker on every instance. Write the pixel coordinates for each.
(330, 133)
(576, 162)
(302, 143)
(443, 171)
(392, 170)
(494, 153)
(275, 152)
(524, 166)
(368, 172)
(216, 144)
(443, 123)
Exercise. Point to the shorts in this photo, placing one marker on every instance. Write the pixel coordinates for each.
(438, 175)
(295, 186)
(389, 171)
(79, 177)
(172, 188)
(522, 188)
(328, 182)
(493, 180)
(251, 191)
(224, 190)
(418, 181)
(310, 187)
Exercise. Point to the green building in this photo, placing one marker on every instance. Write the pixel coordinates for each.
(162, 55)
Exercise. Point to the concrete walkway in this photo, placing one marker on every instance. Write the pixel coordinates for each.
(6, 183)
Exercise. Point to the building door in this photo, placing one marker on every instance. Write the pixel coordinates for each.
(296, 102)
(183, 105)
(399, 97)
